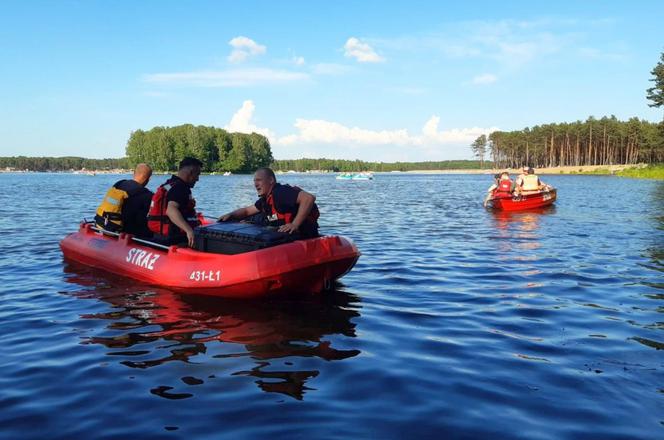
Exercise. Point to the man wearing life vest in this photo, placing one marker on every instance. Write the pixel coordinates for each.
(288, 207)
(173, 209)
(528, 181)
(125, 205)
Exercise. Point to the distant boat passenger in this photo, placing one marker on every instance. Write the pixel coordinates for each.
(529, 182)
(503, 187)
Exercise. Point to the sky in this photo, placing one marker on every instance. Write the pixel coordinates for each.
(370, 80)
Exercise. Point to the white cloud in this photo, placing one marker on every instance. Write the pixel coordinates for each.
(243, 48)
(321, 138)
(465, 136)
(227, 78)
(486, 78)
(509, 44)
(408, 90)
(298, 61)
(362, 52)
(320, 131)
(241, 122)
(618, 53)
(330, 69)
(154, 94)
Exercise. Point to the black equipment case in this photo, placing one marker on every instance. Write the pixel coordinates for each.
(236, 238)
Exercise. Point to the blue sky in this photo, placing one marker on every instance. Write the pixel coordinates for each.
(356, 80)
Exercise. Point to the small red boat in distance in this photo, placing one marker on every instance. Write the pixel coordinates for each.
(300, 266)
(524, 201)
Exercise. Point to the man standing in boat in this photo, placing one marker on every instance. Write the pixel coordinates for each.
(288, 207)
(126, 203)
(173, 209)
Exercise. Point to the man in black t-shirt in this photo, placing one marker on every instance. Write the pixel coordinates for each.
(288, 207)
(134, 208)
(181, 206)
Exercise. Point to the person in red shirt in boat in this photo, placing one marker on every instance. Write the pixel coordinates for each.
(289, 208)
(502, 188)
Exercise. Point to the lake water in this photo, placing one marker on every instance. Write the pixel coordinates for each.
(456, 322)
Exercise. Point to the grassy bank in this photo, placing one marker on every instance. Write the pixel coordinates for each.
(649, 172)
(638, 171)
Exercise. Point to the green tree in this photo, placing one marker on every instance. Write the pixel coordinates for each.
(479, 148)
(165, 147)
(237, 160)
(656, 93)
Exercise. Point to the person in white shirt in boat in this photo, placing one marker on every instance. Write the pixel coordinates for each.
(528, 181)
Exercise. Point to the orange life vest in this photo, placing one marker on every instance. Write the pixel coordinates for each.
(276, 217)
(158, 221)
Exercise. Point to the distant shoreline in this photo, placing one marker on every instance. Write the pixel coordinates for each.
(581, 169)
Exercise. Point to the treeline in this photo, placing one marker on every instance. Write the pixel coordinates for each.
(219, 150)
(22, 163)
(340, 165)
(605, 141)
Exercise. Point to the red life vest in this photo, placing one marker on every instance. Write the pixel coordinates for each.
(504, 186)
(158, 221)
(288, 217)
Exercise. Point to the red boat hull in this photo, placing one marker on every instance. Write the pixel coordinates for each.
(301, 266)
(535, 200)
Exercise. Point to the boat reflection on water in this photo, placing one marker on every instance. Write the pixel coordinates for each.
(523, 220)
(213, 329)
(519, 230)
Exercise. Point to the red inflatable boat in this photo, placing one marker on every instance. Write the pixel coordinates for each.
(530, 200)
(310, 265)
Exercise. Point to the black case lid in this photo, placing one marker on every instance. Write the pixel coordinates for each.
(243, 232)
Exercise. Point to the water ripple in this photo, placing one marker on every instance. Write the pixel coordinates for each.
(456, 322)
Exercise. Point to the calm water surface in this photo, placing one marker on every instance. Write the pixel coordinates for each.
(456, 322)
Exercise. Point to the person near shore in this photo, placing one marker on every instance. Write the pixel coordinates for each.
(289, 208)
(125, 205)
(172, 215)
(503, 187)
